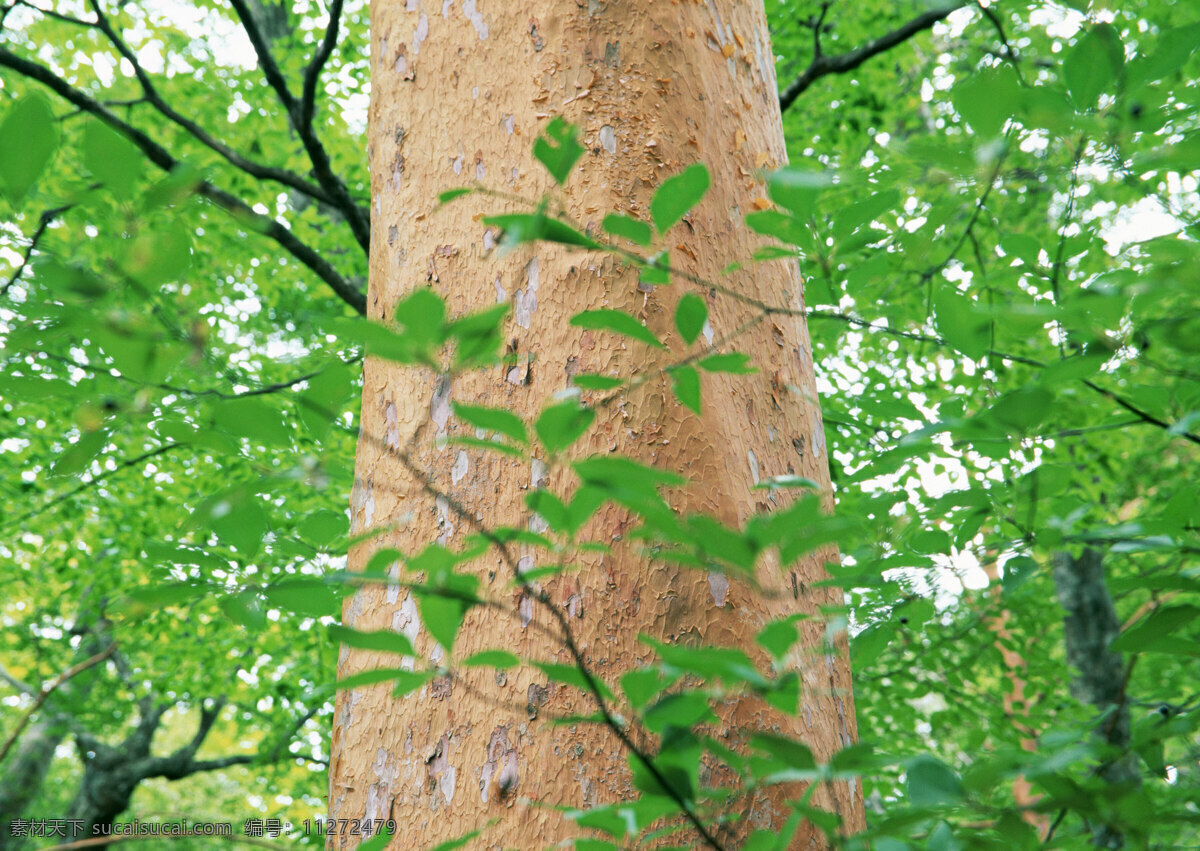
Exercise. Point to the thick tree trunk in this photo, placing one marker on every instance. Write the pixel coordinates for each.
(459, 93)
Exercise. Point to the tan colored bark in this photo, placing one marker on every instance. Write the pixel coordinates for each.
(460, 90)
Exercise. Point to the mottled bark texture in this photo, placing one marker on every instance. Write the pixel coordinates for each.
(1090, 626)
(460, 90)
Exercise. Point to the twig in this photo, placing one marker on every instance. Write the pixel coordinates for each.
(73, 671)
(822, 65)
(162, 158)
(44, 221)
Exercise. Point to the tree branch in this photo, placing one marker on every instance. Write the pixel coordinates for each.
(73, 671)
(162, 158)
(301, 122)
(44, 221)
(152, 97)
(822, 65)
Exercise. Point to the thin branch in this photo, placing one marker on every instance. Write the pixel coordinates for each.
(356, 217)
(162, 158)
(152, 97)
(103, 476)
(568, 639)
(312, 74)
(73, 671)
(44, 221)
(822, 65)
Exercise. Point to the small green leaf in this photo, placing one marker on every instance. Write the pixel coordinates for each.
(558, 149)
(492, 659)
(493, 419)
(572, 676)
(607, 319)
(529, 227)
(442, 616)
(733, 362)
(28, 139)
(778, 636)
(550, 508)
(592, 381)
(383, 640)
(406, 681)
(450, 194)
(1093, 64)
(111, 158)
(690, 315)
(932, 783)
(312, 598)
(629, 228)
(561, 425)
(678, 710)
(959, 324)
(677, 195)
(685, 382)
(657, 270)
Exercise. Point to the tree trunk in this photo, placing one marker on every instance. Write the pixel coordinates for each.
(459, 93)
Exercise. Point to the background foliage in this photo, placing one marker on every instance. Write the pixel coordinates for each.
(996, 219)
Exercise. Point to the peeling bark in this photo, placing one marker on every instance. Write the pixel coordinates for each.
(651, 95)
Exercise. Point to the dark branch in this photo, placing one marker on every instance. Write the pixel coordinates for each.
(152, 97)
(162, 158)
(44, 221)
(46, 692)
(312, 74)
(59, 500)
(356, 217)
(823, 66)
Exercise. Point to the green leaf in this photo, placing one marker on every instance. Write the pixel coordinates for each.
(383, 640)
(111, 158)
(592, 381)
(617, 470)
(442, 616)
(959, 324)
(932, 783)
(380, 840)
(678, 710)
(530, 227)
(492, 659)
(28, 139)
(572, 676)
(677, 195)
(550, 508)
(629, 228)
(558, 149)
(312, 598)
(690, 315)
(160, 253)
(657, 269)
(618, 321)
(778, 636)
(493, 419)
(641, 684)
(1093, 64)
(450, 194)
(406, 681)
(685, 382)
(561, 425)
(733, 362)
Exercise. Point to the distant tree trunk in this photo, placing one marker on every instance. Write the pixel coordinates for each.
(24, 772)
(459, 92)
